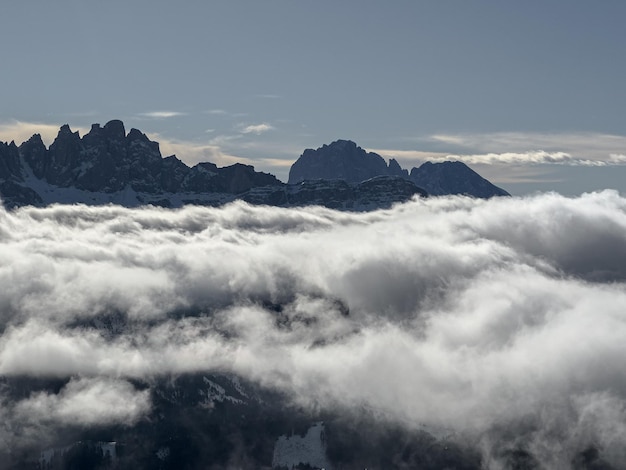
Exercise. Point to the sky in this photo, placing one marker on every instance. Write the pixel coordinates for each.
(530, 94)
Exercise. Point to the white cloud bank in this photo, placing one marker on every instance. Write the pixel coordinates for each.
(86, 402)
(476, 316)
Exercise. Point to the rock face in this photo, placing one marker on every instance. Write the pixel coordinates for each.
(109, 166)
(12, 176)
(445, 178)
(376, 193)
(108, 160)
(204, 420)
(342, 159)
(346, 161)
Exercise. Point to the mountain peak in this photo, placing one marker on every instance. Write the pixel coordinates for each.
(106, 164)
(65, 130)
(115, 129)
(35, 139)
(345, 160)
(136, 134)
(341, 159)
(396, 170)
(453, 177)
(342, 144)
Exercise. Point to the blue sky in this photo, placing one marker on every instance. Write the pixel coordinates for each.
(531, 94)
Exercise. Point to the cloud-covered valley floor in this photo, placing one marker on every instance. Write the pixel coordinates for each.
(498, 320)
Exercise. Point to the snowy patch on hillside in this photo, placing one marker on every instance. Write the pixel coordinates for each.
(46, 456)
(310, 449)
(216, 392)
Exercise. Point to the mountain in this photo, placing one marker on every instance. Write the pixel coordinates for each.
(375, 193)
(344, 160)
(341, 159)
(107, 165)
(220, 421)
(444, 178)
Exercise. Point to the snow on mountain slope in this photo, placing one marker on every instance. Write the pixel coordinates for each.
(310, 449)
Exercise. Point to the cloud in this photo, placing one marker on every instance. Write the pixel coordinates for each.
(532, 157)
(500, 321)
(225, 150)
(257, 129)
(516, 157)
(225, 113)
(408, 155)
(277, 162)
(590, 149)
(193, 153)
(161, 114)
(86, 402)
(505, 141)
(538, 157)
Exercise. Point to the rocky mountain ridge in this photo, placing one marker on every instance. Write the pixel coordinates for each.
(108, 165)
(108, 161)
(343, 159)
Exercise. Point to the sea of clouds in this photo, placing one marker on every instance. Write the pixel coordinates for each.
(494, 320)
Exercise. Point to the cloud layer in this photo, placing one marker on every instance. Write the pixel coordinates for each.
(587, 149)
(476, 317)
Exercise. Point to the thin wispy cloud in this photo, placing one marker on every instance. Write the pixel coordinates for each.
(193, 153)
(537, 157)
(277, 162)
(257, 129)
(225, 113)
(223, 139)
(409, 155)
(228, 149)
(161, 114)
(589, 149)
(531, 157)
(499, 168)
